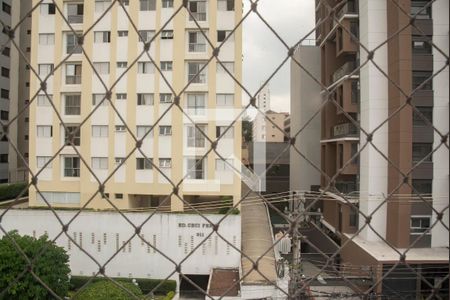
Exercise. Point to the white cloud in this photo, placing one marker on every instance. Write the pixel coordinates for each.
(263, 52)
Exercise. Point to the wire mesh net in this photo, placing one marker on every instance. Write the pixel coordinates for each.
(282, 256)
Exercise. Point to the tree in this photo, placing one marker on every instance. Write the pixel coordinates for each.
(107, 290)
(247, 129)
(52, 267)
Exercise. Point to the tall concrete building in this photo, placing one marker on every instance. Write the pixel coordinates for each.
(14, 84)
(141, 96)
(405, 139)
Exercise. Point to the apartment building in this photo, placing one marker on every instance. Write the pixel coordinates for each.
(14, 85)
(140, 96)
(369, 98)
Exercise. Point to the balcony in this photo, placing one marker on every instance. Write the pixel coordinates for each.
(346, 187)
(345, 69)
(73, 79)
(344, 130)
(351, 7)
(75, 19)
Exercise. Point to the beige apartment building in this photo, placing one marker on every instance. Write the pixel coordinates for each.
(266, 131)
(142, 98)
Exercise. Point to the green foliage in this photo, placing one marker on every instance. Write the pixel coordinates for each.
(169, 295)
(247, 129)
(11, 191)
(145, 284)
(52, 267)
(105, 289)
(227, 205)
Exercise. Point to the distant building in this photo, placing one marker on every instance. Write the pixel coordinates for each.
(269, 131)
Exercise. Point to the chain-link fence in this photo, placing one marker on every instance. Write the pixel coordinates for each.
(398, 272)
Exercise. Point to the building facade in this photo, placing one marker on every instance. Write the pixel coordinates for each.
(14, 96)
(407, 141)
(142, 96)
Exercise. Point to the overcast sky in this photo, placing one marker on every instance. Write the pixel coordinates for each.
(263, 52)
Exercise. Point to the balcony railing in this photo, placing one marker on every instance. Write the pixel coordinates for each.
(346, 187)
(346, 129)
(74, 48)
(194, 47)
(75, 19)
(345, 69)
(73, 79)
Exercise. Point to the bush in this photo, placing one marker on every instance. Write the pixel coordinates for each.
(146, 285)
(11, 191)
(169, 295)
(106, 290)
(52, 267)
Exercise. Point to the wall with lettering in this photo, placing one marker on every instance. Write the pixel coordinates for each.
(178, 238)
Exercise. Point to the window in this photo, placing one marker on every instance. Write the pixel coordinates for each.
(6, 8)
(72, 134)
(221, 129)
(196, 104)
(47, 9)
(120, 161)
(122, 33)
(353, 217)
(6, 51)
(221, 35)
(59, 197)
(165, 163)
(72, 105)
(166, 66)
(419, 77)
(165, 98)
(44, 131)
(195, 168)
(143, 164)
(198, 10)
(120, 128)
(146, 5)
(144, 99)
(224, 165)
(4, 93)
(3, 158)
(121, 96)
(228, 65)
(42, 100)
(75, 13)
(122, 64)
(418, 10)
(225, 99)
(102, 36)
(421, 44)
(4, 115)
(167, 34)
(197, 42)
(99, 131)
(420, 224)
(101, 67)
(421, 150)
(41, 161)
(119, 196)
(101, 5)
(165, 130)
(422, 186)
(225, 5)
(71, 166)
(46, 39)
(167, 3)
(73, 73)
(146, 68)
(100, 163)
(5, 72)
(142, 131)
(99, 99)
(72, 44)
(427, 112)
(146, 35)
(195, 138)
(195, 72)
(45, 69)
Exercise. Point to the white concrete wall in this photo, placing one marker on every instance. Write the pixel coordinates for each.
(305, 102)
(440, 187)
(102, 233)
(373, 111)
